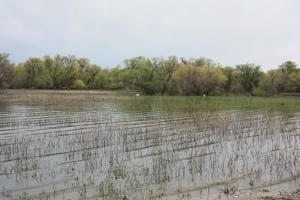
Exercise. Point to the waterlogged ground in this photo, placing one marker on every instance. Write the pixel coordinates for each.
(103, 145)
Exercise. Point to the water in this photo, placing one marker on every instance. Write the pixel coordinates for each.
(105, 146)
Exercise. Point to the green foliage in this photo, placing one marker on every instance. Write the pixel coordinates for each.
(294, 81)
(19, 73)
(232, 78)
(114, 79)
(286, 79)
(78, 84)
(99, 81)
(6, 71)
(143, 74)
(266, 86)
(288, 67)
(260, 92)
(34, 68)
(193, 80)
(196, 76)
(248, 76)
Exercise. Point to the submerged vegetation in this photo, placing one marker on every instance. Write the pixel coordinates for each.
(107, 145)
(171, 76)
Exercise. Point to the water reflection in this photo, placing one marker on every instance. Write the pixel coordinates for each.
(142, 148)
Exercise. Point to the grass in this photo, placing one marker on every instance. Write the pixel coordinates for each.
(291, 94)
(149, 103)
(195, 103)
(106, 145)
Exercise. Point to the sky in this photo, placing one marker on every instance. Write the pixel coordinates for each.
(230, 32)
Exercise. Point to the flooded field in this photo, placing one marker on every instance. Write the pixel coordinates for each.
(103, 145)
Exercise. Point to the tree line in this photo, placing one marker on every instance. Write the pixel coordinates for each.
(151, 76)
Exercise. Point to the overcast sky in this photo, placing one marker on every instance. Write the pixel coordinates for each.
(265, 32)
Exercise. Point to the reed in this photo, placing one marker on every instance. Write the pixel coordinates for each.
(105, 145)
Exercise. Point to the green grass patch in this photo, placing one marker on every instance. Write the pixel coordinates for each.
(212, 103)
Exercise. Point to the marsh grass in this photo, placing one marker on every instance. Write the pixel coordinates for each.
(192, 103)
(106, 145)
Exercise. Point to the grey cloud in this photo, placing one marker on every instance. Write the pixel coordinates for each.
(108, 31)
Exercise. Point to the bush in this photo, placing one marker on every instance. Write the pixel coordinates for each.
(259, 92)
(78, 84)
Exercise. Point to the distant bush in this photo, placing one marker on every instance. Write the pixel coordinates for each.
(78, 84)
(150, 76)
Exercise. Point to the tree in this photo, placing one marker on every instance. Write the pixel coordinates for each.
(78, 84)
(192, 80)
(294, 81)
(33, 68)
(267, 85)
(151, 76)
(288, 67)
(100, 80)
(289, 79)
(168, 67)
(202, 62)
(19, 76)
(6, 71)
(232, 78)
(114, 78)
(143, 74)
(139, 74)
(248, 75)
